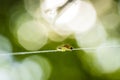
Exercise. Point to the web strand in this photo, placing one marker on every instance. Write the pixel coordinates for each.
(50, 51)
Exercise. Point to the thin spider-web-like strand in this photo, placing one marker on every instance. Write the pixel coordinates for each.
(93, 48)
(77, 49)
(46, 51)
(32, 52)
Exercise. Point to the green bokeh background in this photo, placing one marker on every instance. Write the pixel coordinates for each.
(65, 65)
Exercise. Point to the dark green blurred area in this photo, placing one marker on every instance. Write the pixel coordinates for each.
(65, 66)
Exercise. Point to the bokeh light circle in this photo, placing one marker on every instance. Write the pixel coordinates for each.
(32, 35)
(79, 17)
(108, 57)
(39, 66)
(93, 38)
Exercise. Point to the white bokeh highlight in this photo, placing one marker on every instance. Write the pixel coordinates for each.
(75, 17)
(5, 44)
(5, 48)
(28, 69)
(39, 66)
(108, 58)
(53, 36)
(93, 38)
(5, 74)
(32, 35)
(33, 7)
(79, 17)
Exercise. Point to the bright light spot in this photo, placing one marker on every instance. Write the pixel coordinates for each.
(50, 15)
(56, 37)
(33, 7)
(63, 19)
(15, 71)
(32, 35)
(32, 68)
(85, 19)
(101, 10)
(79, 17)
(24, 73)
(4, 75)
(93, 38)
(49, 8)
(62, 30)
(108, 58)
(5, 48)
(76, 16)
(39, 67)
(5, 44)
(67, 14)
(5, 60)
(50, 4)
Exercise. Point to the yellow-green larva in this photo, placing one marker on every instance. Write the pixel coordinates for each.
(65, 47)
